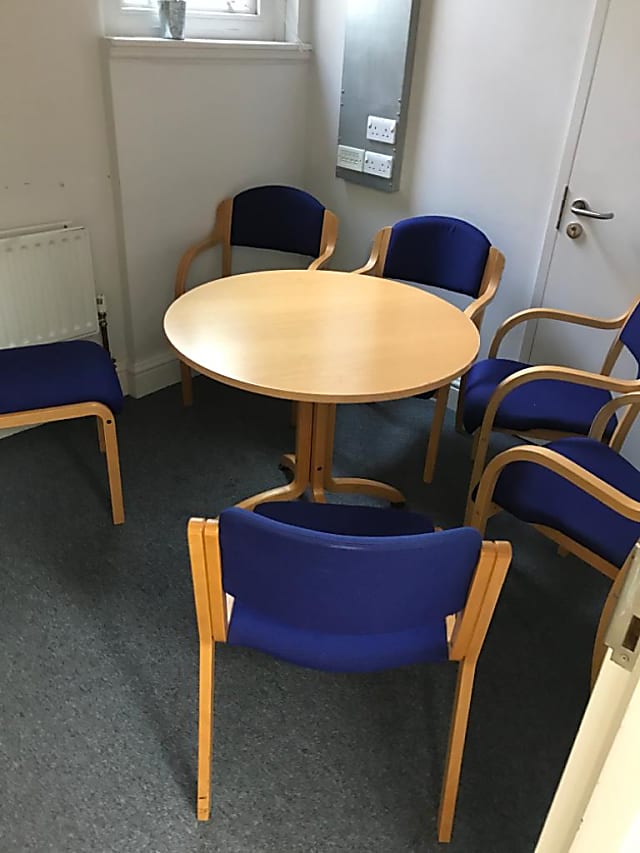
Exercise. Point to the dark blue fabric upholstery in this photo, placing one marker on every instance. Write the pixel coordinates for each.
(332, 652)
(285, 219)
(439, 251)
(342, 602)
(630, 335)
(545, 404)
(356, 521)
(538, 496)
(58, 374)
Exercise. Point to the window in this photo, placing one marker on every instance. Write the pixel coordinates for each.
(260, 20)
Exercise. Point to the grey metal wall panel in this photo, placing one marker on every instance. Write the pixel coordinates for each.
(376, 76)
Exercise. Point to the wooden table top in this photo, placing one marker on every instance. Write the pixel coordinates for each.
(319, 336)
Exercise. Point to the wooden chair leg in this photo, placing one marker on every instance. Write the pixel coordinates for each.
(113, 469)
(436, 431)
(187, 384)
(101, 443)
(479, 456)
(479, 511)
(457, 735)
(205, 728)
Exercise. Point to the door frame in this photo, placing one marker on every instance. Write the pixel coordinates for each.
(595, 805)
(596, 780)
(583, 92)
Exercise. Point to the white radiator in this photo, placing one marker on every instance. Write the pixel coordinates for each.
(47, 288)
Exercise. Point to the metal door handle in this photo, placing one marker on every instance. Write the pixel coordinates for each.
(580, 207)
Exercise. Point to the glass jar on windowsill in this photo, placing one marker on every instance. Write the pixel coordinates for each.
(172, 18)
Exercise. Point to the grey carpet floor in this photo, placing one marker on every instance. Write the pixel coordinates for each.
(98, 656)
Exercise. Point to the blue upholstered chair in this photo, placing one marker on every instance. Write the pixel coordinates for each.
(545, 402)
(61, 381)
(442, 252)
(578, 491)
(279, 218)
(343, 589)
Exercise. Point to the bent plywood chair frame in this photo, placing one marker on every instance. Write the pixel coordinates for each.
(483, 507)
(466, 632)
(221, 235)
(475, 311)
(107, 439)
(603, 379)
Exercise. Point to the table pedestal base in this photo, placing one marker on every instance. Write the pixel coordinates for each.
(311, 464)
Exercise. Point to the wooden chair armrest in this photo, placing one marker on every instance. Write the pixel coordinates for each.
(327, 241)
(188, 258)
(489, 287)
(608, 410)
(478, 305)
(378, 255)
(551, 314)
(366, 268)
(321, 260)
(552, 461)
(533, 374)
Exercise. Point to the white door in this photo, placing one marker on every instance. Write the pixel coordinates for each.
(599, 272)
(596, 808)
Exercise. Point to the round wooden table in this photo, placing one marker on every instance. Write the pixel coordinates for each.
(321, 338)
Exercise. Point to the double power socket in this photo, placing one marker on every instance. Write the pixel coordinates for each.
(371, 162)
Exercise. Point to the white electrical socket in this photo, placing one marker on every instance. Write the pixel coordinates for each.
(382, 129)
(350, 158)
(380, 165)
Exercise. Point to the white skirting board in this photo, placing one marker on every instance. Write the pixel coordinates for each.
(153, 374)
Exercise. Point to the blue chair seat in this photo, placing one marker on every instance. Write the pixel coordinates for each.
(545, 404)
(57, 374)
(538, 496)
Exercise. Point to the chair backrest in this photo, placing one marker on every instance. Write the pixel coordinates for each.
(339, 584)
(281, 218)
(440, 251)
(630, 334)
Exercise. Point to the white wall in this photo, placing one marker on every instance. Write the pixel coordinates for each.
(189, 133)
(492, 93)
(54, 153)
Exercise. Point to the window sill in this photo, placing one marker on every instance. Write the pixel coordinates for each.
(121, 47)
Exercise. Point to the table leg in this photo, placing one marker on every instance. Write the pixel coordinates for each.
(324, 416)
(298, 485)
(311, 464)
(323, 436)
